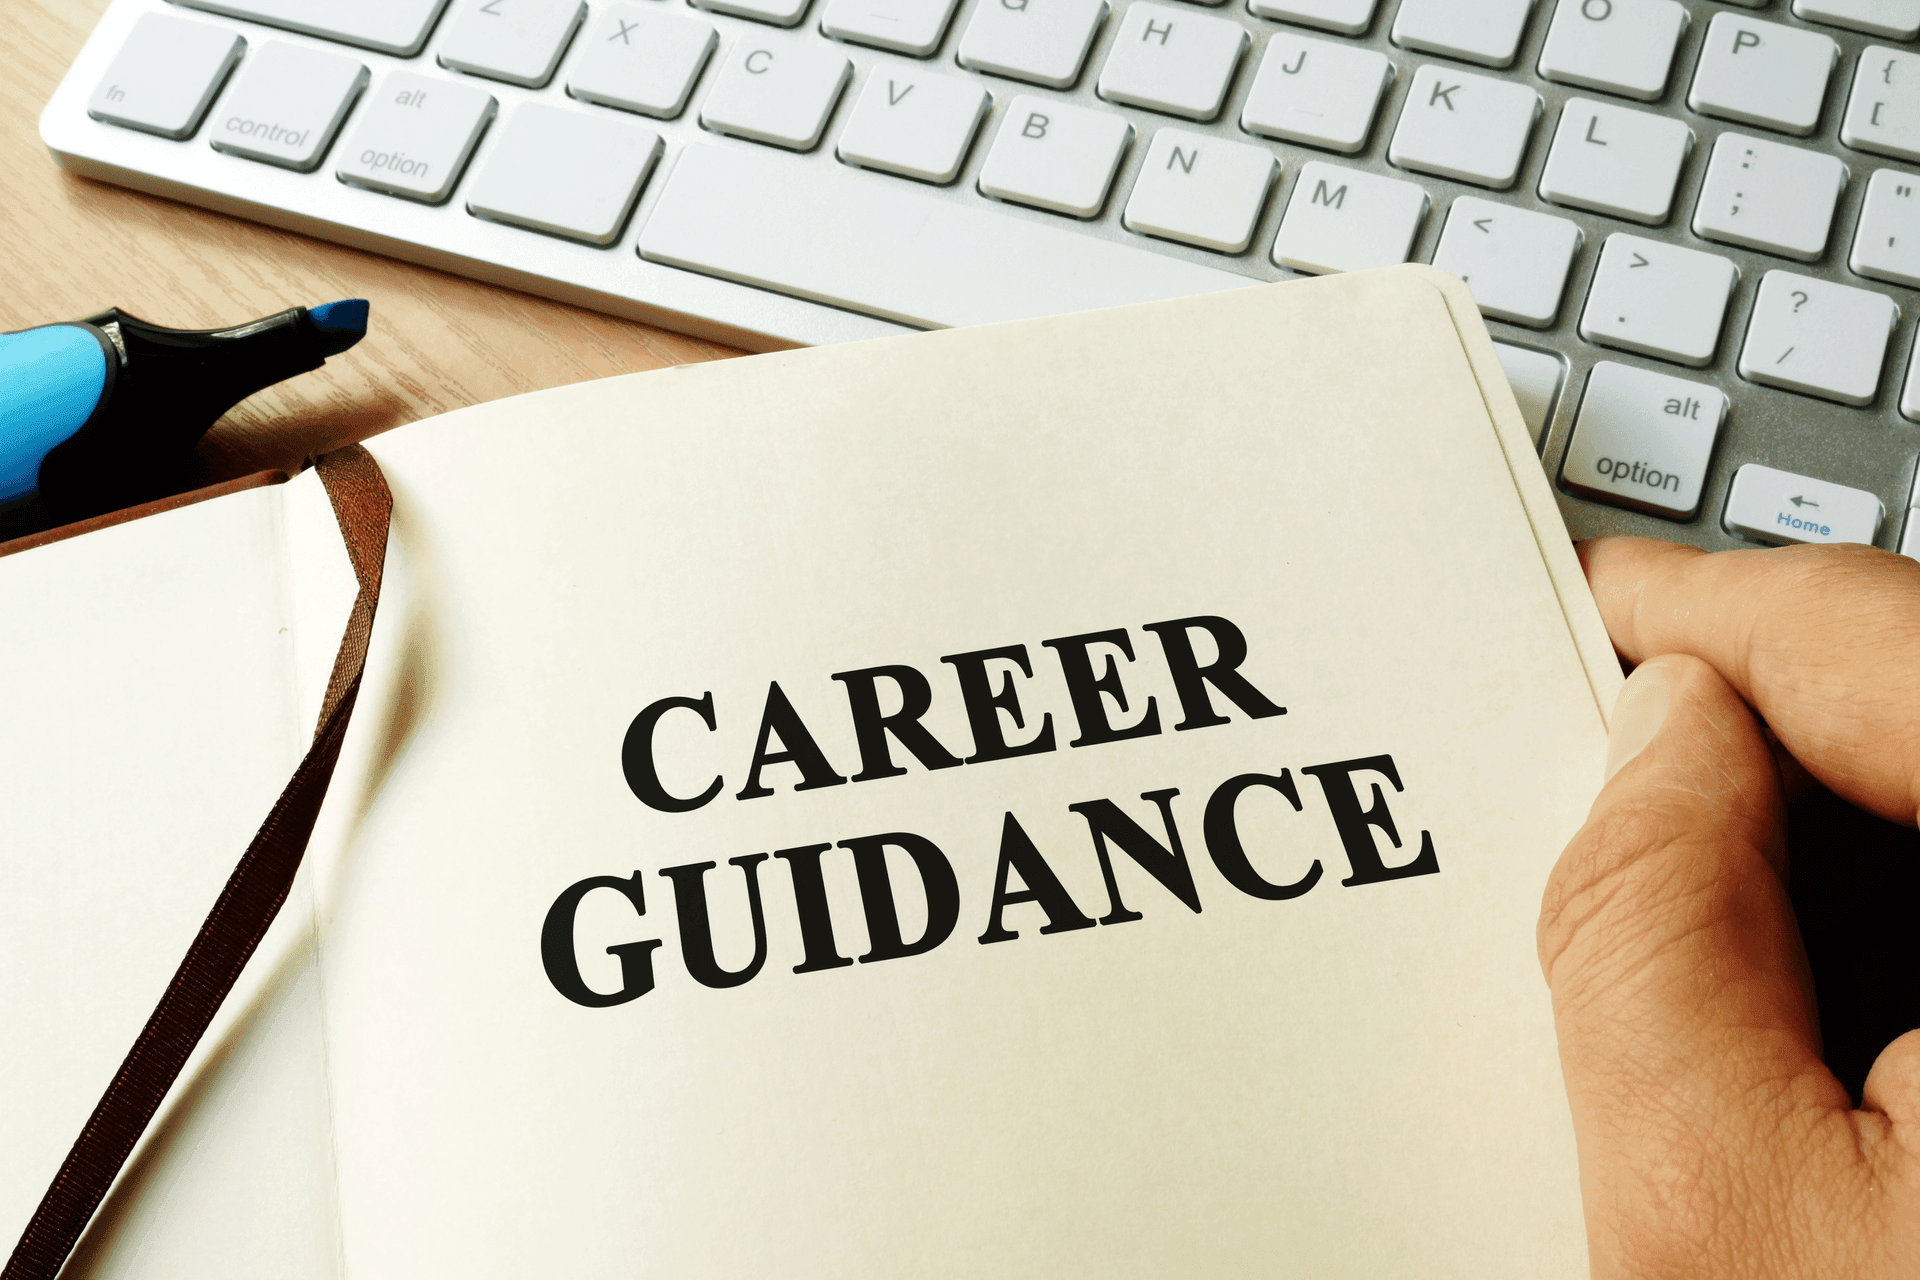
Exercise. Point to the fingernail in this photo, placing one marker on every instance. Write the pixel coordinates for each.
(1638, 713)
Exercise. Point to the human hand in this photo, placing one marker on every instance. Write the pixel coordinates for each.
(1714, 1142)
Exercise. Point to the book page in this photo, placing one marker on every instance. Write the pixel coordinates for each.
(150, 725)
(1064, 798)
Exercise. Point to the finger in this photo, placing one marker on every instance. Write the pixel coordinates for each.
(1682, 1000)
(1889, 1116)
(1893, 1086)
(1824, 642)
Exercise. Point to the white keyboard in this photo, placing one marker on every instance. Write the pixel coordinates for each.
(1687, 223)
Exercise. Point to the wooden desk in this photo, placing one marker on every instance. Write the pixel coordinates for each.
(70, 246)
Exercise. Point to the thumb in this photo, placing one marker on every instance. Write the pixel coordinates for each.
(1681, 994)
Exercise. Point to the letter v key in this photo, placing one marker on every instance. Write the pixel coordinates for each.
(894, 99)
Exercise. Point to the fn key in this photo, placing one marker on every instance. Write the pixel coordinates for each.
(165, 76)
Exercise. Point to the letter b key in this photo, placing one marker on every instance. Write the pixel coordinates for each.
(1054, 155)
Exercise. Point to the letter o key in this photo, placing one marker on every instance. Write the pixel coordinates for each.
(1596, 10)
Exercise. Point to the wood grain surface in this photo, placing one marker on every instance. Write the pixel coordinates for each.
(70, 246)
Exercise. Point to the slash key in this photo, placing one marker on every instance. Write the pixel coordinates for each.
(1817, 338)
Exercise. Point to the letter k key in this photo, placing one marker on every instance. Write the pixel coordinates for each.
(1444, 93)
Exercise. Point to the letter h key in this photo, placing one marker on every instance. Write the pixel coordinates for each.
(1172, 60)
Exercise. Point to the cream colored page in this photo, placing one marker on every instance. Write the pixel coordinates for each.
(1355, 1081)
(150, 724)
(1563, 565)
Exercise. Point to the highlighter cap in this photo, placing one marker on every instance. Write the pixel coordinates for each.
(51, 380)
(105, 413)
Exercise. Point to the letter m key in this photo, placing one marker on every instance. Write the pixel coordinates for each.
(1335, 199)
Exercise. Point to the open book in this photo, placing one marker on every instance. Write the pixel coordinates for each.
(1061, 798)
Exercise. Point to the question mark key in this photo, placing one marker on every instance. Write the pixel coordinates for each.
(1817, 338)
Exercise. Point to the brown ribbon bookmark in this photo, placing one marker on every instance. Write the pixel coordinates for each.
(239, 918)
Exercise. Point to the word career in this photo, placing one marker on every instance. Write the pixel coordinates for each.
(1087, 691)
(1109, 827)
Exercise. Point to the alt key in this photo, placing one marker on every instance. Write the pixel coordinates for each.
(1643, 440)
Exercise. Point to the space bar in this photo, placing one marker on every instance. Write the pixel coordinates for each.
(838, 238)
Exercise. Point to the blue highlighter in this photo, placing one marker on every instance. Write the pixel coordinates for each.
(104, 413)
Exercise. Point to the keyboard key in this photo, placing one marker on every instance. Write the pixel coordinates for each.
(1535, 379)
(1621, 46)
(1054, 155)
(819, 233)
(518, 41)
(1172, 60)
(1767, 195)
(1910, 540)
(906, 26)
(567, 172)
(1615, 160)
(1515, 260)
(1780, 507)
(1762, 73)
(1642, 440)
(1910, 405)
(643, 59)
(398, 27)
(1317, 92)
(1199, 190)
(1043, 42)
(1825, 340)
(780, 94)
(1482, 31)
(1887, 244)
(287, 105)
(1883, 111)
(779, 13)
(416, 136)
(1347, 220)
(1658, 299)
(1466, 127)
(165, 76)
(1899, 19)
(1348, 17)
(913, 122)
